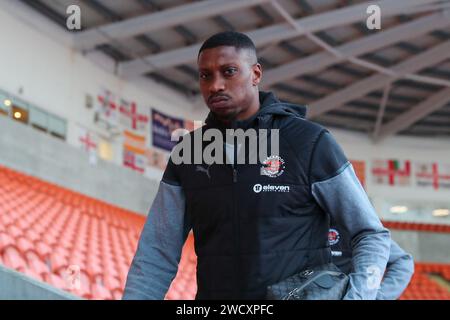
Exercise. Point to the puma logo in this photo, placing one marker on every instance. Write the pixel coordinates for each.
(204, 170)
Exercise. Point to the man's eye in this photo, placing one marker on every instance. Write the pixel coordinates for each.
(203, 76)
(230, 71)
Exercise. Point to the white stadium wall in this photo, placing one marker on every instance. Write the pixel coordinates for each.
(37, 154)
(40, 70)
(421, 201)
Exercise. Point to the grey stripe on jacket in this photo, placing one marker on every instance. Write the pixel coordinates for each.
(343, 197)
(155, 263)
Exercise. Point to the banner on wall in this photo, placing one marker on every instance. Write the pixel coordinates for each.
(360, 169)
(106, 108)
(134, 151)
(156, 159)
(105, 150)
(130, 117)
(432, 175)
(391, 172)
(162, 128)
(190, 125)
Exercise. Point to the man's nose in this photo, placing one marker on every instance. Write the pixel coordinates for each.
(218, 84)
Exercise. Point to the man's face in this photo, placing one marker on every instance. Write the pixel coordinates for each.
(228, 80)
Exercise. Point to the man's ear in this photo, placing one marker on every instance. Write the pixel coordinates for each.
(257, 74)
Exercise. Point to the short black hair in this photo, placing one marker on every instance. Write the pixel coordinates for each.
(229, 38)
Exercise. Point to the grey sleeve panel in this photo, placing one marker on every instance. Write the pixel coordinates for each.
(343, 197)
(399, 271)
(155, 263)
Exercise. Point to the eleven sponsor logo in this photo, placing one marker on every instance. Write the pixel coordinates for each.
(258, 188)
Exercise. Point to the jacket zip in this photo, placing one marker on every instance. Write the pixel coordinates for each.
(235, 218)
(236, 234)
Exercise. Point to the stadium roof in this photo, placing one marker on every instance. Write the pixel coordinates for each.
(316, 52)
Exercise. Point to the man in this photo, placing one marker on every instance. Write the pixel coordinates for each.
(399, 269)
(255, 224)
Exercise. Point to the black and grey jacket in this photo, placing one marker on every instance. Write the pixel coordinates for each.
(253, 230)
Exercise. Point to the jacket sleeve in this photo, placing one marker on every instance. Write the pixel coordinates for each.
(338, 191)
(155, 263)
(399, 271)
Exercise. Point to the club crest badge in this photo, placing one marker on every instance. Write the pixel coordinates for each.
(333, 237)
(273, 167)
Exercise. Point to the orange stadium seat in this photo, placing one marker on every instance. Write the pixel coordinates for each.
(412, 226)
(45, 229)
(423, 288)
(13, 258)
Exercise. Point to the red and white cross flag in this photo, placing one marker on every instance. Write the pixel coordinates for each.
(391, 172)
(433, 175)
(88, 141)
(131, 118)
(106, 107)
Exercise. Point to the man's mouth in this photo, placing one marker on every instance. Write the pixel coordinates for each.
(218, 102)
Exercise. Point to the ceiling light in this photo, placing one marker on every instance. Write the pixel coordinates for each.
(441, 212)
(399, 209)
